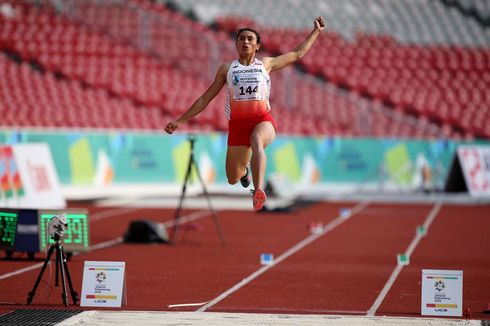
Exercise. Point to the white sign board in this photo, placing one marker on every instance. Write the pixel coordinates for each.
(28, 178)
(475, 163)
(442, 292)
(104, 284)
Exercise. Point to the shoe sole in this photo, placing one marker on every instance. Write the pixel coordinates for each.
(245, 183)
(245, 180)
(259, 200)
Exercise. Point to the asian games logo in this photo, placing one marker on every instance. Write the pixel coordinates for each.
(439, 285)
(236, 79)
(100, 277)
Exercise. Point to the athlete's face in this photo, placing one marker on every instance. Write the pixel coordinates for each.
(246, 43)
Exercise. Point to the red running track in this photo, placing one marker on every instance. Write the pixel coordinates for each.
(458, 239)
(340, 272)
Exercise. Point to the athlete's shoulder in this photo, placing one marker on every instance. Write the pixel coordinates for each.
(258, 62)
(266, 62)
(223, 68)
(234, 64)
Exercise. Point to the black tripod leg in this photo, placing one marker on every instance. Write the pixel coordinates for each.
(60, 256)
(57, 268)
(74, 295)
(39, 277)
(217, 224)
(181, 201)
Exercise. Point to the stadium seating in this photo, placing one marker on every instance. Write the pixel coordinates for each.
(38, 99)
(478, 9)
(428, 81)
(152, 62)
(407, 21)
(91, 59)
(441, 83)
(215, 41)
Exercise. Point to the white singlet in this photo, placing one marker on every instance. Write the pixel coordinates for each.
(248, 90)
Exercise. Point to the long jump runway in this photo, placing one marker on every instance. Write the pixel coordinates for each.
(348, 269)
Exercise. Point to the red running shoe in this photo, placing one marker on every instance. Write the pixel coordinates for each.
(259, 198)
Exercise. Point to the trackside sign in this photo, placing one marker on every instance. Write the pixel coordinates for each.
(475, 163)
(103, 284)
(442, 292)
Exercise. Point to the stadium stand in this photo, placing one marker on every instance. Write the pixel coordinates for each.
(415, 21)
(447, 85)
(142, 56)
(478, 9)
(407, 64)
(36, 99)
(58, 46)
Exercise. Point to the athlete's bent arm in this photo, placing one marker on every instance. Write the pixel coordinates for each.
(203, 101)
(283, 60)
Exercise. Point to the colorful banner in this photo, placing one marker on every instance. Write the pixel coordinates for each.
(10, 180)
(122, 158)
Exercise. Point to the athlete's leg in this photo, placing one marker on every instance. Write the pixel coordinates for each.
(237, 158)
(262, 135)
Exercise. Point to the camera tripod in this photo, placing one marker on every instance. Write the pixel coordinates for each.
(61, 267)
(192, 163)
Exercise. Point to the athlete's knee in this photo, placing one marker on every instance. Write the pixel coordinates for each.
(232, 179)
(256, 141)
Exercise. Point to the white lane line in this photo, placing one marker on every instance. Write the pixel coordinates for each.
(111, 212)
(186, 305)
(20, 271)
(105, 244)
(329, 227)
(394, 275)
(189, 218)
(184, 219)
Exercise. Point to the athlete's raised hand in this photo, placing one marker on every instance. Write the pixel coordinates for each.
(171, 127)
(320, 23)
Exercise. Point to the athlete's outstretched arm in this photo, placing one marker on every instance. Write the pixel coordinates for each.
(203, 101)
(281, 61)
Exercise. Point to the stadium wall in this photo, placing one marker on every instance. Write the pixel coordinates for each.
(123, 158)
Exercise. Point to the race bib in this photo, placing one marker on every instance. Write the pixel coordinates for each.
(247, 86)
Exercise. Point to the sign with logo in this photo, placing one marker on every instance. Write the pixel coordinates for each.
(475, 163)
(104, 284)
(442, 292)
(28, 178)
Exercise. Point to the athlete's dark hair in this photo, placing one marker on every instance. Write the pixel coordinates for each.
(250, 30)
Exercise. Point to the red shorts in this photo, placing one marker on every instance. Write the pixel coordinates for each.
(239, 130)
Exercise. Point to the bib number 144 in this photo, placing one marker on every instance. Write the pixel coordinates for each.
(248, 90)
